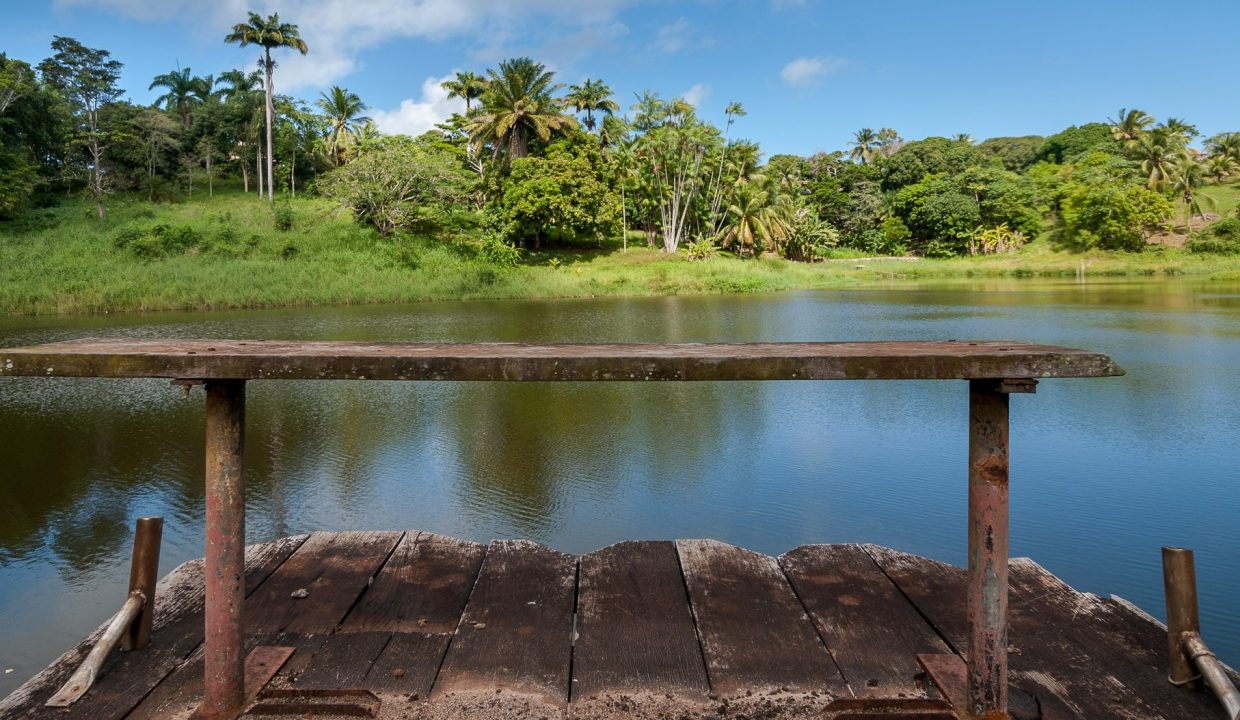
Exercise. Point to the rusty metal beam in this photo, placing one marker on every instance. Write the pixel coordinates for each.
(988, 549)
(224, 647)
(143, 577)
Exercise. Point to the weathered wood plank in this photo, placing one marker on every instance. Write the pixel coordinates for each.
(127, 677)
(871, 630)
(1092, 626)
(342, 661)
(408, 665)
(180, 694)
(1144, 630)
(333, 568)
(422, 587)
(755, 633)
(634, 627)
(255, 359)
(516, 629)
(1066, 681)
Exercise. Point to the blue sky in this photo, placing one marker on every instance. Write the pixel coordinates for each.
(809, 73)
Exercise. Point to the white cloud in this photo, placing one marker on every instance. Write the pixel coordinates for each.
(414, 117)
(696, 94)
(338, 31)
(807, 70)
(673, 37)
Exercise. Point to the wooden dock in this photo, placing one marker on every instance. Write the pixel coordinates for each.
(434, 627)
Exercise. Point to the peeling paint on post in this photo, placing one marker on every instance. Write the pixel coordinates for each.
(988, 548)
(224, 650)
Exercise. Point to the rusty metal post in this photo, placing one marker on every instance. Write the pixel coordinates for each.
(143, 576)
(1180, 585)
(988, 548)
(224, 647)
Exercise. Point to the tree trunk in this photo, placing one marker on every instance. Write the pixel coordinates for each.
(258, 168)
(210, 180)
(292, 173)
(270, 111)
(245, 177)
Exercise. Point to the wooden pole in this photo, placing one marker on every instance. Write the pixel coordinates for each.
(143, 577)
(1180, 585)
(988, 549)
(225, 552)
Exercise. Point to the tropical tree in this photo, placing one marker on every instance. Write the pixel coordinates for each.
(270, 33)
(964, 138)
(1220, 167)
(1156, 152)
(1225, 144)
(242, 94)
(863, 145)
(1187, 177)
(889, 141)
(1129, 125)
(87, 78)
(591, 96)
(517, 104)
(1180, 131)
(343, 111)
(757, 219)
(184, 92)
(467, 85)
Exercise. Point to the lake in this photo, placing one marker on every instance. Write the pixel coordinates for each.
(1104, 471)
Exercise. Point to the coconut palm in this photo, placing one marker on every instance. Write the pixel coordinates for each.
(467, 85)
(963, 138)
(1156, 151)
(517, 104)
(1179, 130)
(1129, 125)
(1226, 145)
(756, 218)
(184, 92)
(343, 111)
(1187, 177)
(863, 144)
(271, 34)
(1220, 167)
(591, 96)
(889, 141)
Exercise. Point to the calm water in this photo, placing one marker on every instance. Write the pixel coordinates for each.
(1104, 471)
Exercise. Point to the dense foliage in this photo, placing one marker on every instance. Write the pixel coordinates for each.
(531, 162)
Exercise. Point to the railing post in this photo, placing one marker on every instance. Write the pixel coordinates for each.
(143, 577)
(224, 653)
(988, 544)
(1180, 585)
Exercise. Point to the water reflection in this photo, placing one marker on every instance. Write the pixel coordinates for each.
(1103, 471)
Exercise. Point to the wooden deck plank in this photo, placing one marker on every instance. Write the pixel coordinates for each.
(1065, 680)
(634, 627)
(1090, 624)
(755, 633)
(127, 677)
(333, 568)
(310, 360)
(871, 630)
(516, 629)
(180, 694)
(422, 588)
(342, 661)
(408, 664)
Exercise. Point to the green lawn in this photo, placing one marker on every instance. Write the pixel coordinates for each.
(231, 254)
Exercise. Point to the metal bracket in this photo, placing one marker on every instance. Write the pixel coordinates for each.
(316, 703)
(1012, 386)
(187, 384)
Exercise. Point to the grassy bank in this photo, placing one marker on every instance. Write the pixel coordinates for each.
(228, 251)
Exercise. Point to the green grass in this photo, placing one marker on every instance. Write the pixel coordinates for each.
(60, 260)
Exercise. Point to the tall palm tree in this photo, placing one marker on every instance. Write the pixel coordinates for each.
(1179, 130)
(590, 97)
(1226, 145)
(184, 92)
(1220, 167)
(468, 86)
(1129, 125)
(516, 104)
(343, 112)
(1187, 177)
(863, 144)
(270, 33)
(757, 218)
(889, 141)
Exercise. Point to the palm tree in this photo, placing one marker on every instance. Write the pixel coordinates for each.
(343, 112)
(516, 104)
(1220, 167)
(468, 86)
(1226, 145)
(756, 218)
(244, 91)
(1179, 130)
(889, 141)
(270, 33)
(863, 144)
(1156, 151)
(1187, 177)
(184, 91)
(589, 97)
(1129, 125)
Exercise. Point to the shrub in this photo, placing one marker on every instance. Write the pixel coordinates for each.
(159, 241)
(702, 249)
(1221, 238)
(500, 253)
(283, 215)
